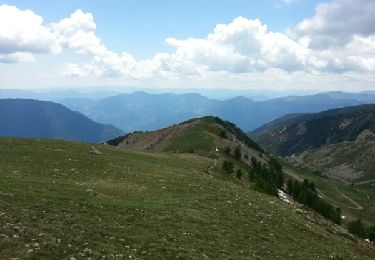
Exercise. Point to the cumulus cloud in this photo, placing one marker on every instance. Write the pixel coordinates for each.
(241, 47)
(244, 45)
(341, 33)
(338, 40)
(16, 57)
(77, 33)
(22, 33)
(335, 23)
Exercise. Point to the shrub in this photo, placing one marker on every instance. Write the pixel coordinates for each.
(223, 134)
(357, 228)
(228, 167)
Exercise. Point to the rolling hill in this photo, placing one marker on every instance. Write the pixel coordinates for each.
(200, 135)
(59, 200)
(42, 119)
(218, 140)
(294, 135)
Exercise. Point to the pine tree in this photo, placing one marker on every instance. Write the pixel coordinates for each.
(239, 173)
(357, 228)
(338, 216)
(312, 187)
(237, 153)
(371, 234)
(289, 187)
(251, 175)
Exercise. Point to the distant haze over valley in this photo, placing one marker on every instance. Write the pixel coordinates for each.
(143, 111)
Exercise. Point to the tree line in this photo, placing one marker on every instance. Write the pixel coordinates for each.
(268, 178)
(264, 178)
(306, 194)
(359, 229)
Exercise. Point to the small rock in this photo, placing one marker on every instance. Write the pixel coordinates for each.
(95, 151)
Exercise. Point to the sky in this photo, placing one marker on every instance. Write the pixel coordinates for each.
(232, 44)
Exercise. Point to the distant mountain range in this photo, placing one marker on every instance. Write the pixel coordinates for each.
(143, 111)
(43, 119)
(294, 134)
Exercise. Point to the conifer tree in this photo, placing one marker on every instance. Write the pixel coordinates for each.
(239, 173)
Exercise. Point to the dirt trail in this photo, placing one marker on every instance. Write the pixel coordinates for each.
(364, 182)
(320, 193)
(351, 200)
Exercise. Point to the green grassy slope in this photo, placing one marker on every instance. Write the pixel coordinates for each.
(198, 138)
(59, 201)
(200, 135)
(349, 162)
(356, 201)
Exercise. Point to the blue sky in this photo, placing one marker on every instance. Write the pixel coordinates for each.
(141, 26)
(265, 44)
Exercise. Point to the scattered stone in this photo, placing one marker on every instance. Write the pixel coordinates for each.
(95, 151)
(8, 194)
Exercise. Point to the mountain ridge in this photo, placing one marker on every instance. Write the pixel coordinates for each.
(44, 119)
(141, 111)
(310, 131)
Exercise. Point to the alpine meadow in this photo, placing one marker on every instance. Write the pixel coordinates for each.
(226, 129)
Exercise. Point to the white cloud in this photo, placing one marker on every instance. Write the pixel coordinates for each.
(73, 70)
(289, 1)
(22, 33)
(342, 33)
(77, 33)
(336, 22)
(16, 57)
(339, 40)
(242, 46)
